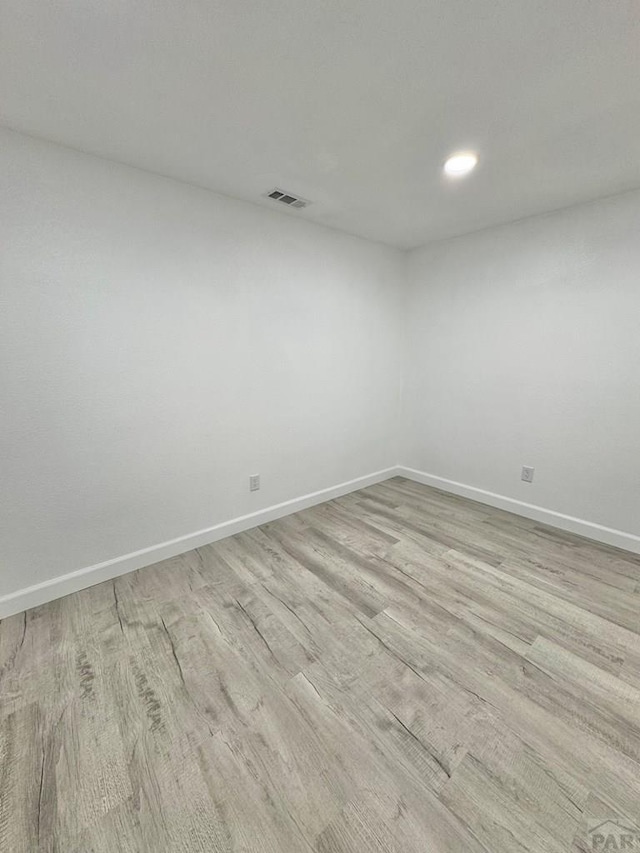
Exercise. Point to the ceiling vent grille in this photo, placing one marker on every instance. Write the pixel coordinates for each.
(287, 198)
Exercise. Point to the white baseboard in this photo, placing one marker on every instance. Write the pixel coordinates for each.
(41, 593)
(588, 529)
(32, 596)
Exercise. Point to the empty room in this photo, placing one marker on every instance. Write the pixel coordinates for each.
(319, 426)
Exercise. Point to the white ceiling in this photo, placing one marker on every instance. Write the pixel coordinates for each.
(353, 104)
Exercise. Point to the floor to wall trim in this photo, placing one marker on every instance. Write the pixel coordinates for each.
(49, 590)
(32, 596)
(588, 529)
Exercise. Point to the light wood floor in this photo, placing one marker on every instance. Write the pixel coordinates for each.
(396, 670)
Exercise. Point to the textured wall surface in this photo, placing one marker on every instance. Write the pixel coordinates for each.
(159, 344)
(523, 348)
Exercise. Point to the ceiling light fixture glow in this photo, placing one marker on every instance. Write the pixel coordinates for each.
(460, 164)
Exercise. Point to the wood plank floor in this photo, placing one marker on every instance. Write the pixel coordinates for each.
(396, 670)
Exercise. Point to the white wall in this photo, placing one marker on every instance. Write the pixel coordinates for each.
(159, 344)
(523, 348)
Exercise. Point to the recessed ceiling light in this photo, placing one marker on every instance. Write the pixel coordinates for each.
(460, 164)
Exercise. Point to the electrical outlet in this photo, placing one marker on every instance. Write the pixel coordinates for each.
(527, 474)
(254, 482)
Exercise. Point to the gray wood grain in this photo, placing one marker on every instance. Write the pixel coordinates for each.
(396, 670)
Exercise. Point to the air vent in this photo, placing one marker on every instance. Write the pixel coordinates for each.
(288, 199)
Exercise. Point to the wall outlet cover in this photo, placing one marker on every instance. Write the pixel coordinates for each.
(527, 474)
